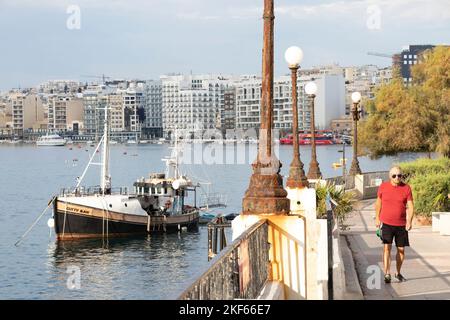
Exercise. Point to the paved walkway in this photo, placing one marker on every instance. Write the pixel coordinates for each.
(426, 267)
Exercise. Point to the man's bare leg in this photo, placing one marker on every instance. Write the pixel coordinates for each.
(387, 258)
(400, 257)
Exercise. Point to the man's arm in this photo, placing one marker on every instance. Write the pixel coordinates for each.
(377, 212)
(409, 214)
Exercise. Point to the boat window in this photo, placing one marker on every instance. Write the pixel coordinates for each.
(158, 189)
(146, 189)
(165, 190)
(153, 190)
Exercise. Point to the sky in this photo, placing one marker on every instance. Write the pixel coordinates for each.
(57, 39)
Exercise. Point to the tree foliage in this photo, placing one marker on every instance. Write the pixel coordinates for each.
(414, 118)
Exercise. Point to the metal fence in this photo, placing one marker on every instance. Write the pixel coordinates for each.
(240, 271)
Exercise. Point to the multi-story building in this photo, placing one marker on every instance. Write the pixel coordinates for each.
(153, 126)
(60, 86)
(94, 105)
(65, 113)
(192, 102)
(228, 111)
(27, 112)
(410, 56)
(133, 108)
(329, 102)
(116, 115)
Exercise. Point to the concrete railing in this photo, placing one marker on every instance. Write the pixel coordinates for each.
(240, 271)
(367, 183)
(288, 262)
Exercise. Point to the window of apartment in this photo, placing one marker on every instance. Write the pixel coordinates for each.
(405, 62)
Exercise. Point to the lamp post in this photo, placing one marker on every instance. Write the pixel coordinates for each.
(297, 178)
(265, 194)
(314, 170)
(356, 98)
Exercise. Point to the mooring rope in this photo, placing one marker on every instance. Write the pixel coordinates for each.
(36, 221)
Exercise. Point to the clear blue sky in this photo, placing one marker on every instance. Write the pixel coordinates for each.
(146, 38)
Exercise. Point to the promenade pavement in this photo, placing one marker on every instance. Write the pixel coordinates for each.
(426, 266)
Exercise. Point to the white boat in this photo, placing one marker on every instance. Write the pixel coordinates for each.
(51, 140)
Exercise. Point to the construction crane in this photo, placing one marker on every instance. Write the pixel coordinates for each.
(103, 77)
(380, 54)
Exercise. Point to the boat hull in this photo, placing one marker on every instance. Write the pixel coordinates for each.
(74, 222)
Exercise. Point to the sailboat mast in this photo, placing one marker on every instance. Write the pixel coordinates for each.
(105, 179)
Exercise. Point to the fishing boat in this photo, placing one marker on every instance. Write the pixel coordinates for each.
(157, 203)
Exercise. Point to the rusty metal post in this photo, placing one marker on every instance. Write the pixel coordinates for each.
(314, 170)
(265, 194)
(297, 178)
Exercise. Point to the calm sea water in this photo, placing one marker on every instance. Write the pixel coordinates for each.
(153, 267)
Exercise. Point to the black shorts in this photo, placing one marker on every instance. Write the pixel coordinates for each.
(389, 233)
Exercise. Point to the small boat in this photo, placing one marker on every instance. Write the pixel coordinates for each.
(51, 140)
(206, 217)
(231, 216)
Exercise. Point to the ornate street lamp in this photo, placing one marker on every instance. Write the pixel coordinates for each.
(265, 194)
(314, 170)
(356, 98)
(297, 178)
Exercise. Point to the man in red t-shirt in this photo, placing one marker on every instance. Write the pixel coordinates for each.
(394, 212)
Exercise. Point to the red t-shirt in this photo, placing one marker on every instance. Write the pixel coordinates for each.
(393, 203)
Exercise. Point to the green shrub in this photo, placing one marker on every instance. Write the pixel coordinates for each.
(430, 192)
(430, 182)
(426, 166)
(344, 200)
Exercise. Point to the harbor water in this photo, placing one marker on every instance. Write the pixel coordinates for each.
(151, 267)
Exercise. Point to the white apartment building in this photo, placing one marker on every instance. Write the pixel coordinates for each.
(329, 102)
(133, 107)
(192, 102)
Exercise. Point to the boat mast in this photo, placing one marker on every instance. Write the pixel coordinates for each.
(105, 181)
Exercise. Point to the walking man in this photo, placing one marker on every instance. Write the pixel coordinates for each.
(394, 212)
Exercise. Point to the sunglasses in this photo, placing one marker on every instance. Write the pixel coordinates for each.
(397, 176)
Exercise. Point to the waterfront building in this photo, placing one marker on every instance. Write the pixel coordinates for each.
(228, 111)
(65, 113)
(27, 113)
(94, 103)
(192, 102)
(329, 101)
(153, 126)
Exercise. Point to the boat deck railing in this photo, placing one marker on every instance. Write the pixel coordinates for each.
(213, 200)
(91, 191)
